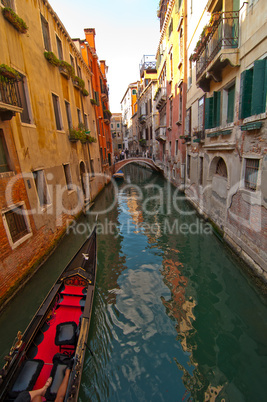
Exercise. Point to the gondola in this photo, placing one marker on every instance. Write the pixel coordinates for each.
(56, 336)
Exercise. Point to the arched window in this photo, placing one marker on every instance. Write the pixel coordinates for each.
(221, 168)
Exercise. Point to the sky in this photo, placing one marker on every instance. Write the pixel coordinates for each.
(126, 30)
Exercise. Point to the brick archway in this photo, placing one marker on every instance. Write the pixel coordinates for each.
(119, 165)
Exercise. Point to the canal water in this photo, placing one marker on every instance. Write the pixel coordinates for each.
(175, 318)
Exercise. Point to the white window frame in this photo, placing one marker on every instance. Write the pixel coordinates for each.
(48, 197)
(59, 112)
(21, 205)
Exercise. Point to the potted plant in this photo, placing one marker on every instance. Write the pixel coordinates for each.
(15, 20)
(66, 69)
(215, 17)
(85, 92)
(9, 72)
(79, 134)
(51, 58)
(93, 101)
(78, 82)
(142, 142)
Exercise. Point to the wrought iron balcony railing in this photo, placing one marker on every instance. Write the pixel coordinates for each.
(148, 63)
(224, 35)
(9, 93)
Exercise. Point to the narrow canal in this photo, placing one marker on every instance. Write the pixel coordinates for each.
(175, 317)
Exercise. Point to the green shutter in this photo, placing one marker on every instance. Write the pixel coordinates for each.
(208, 112)
(245, 93)
(231, 104)
(258, 102)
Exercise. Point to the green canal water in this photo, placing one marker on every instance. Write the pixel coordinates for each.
(175, 318)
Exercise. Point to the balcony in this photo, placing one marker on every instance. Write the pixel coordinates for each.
(104, 94)
(148, 63)
(161, 133)
(107, 116)
(218, 49)
(199, 136)
(10, 102)
(142, 119)
(160, 97)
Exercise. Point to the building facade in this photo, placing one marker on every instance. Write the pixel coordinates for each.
(50, 150)
(128, 110)
(170, 96)
(225, 131)
(116, 134)
(147, 112)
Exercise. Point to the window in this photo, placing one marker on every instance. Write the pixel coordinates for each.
(92, 168)
(41, 187)
(68, 112)
(171, 66)
(188, 166)
(4, 158)
(25, 116)
(134, 92)
(221, 168)
(72, 61)
(85, 119)
(67, 173)
(201, 114)
(46, 37)
(16, 223)
(79, 116)
(176, 147)
(170, 27)
(230, 104)
(170, 122)
(181, 47)
(57, 112)
(89, 88)
(251, 174)
(253, 90)
(188, 122)
(79, 71)
(8, 3)
(201, 159)
(213, 110)
(59, 48)
(181, 104)
(190, 74)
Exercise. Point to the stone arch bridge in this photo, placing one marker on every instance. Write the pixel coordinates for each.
(120, 164)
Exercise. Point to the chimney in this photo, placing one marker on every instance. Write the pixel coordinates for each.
(90, 37)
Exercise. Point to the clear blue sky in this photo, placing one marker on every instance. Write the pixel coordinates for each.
(125, 31)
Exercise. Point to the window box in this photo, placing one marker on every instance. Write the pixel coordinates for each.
(51, 58)
(78, 82)
(79, 134)
(66, 69)
(15, 20)
(85, 92)
(8, 72)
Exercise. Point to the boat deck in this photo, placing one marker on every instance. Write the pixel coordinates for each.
(68, 308)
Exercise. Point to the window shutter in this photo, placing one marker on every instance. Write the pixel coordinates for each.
(208, 112)
(245, 93)
(230, 104)
(258, 102)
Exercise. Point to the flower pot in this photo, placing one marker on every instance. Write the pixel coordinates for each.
(17, 22)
